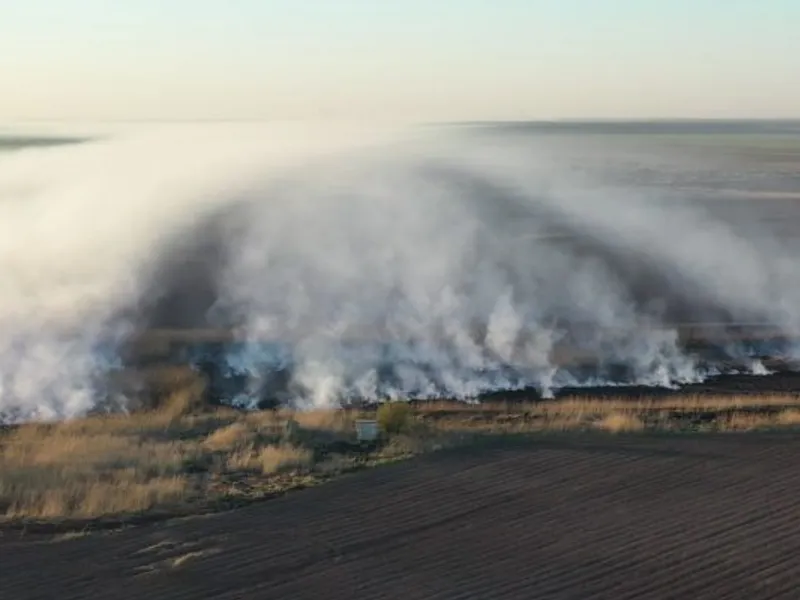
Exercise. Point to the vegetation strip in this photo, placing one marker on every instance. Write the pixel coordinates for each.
(182, 459)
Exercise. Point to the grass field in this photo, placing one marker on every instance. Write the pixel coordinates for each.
(184, 457)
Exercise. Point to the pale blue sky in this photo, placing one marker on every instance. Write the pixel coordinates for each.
(398, 59)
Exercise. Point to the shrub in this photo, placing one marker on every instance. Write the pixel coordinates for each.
(394, 417)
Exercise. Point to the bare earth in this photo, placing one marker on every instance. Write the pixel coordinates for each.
(591, 516)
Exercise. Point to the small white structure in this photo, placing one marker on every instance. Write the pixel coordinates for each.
(367, 430)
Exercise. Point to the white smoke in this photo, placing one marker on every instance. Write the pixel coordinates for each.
(390, 265)
(82, 228)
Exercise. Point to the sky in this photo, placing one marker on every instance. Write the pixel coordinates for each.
(409, 60)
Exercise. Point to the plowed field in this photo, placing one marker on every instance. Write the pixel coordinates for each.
(552, 517)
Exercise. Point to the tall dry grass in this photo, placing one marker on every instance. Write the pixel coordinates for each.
(720, 413)
(620, 422)
(100, 464)
(606, 405)
(58, 472)
(110, 464)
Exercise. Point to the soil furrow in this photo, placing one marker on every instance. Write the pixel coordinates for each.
(601, 517)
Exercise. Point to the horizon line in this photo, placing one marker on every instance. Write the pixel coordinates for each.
(673, 119)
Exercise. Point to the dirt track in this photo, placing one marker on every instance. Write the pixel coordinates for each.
(588, 517)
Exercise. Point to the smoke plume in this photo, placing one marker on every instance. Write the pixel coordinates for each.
(372, 264)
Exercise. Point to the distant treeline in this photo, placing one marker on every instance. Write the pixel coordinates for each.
(14, 142)
(668, 127)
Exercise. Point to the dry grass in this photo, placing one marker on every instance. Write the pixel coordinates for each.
(335, 421)
(267, 460)
(276, 459)
(619, 422)
(233, 436)
(59, 472)
(177, 456)
(101, 464)
(718, 413)
(789, 417)
(582, 405)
